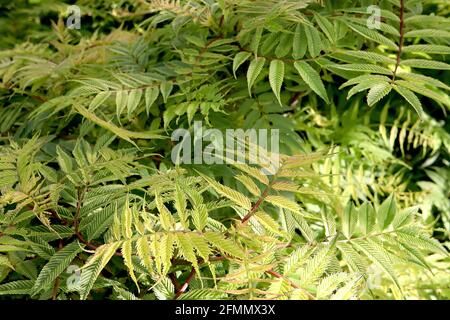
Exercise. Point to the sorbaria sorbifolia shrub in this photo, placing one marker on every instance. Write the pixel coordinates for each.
(224, 149)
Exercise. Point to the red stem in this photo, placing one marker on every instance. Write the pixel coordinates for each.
(185, 284)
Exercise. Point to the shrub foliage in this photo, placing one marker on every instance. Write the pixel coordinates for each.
(93, 207)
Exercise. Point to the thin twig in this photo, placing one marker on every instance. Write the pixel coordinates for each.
(257, 204)
(174, 280)
(57, 280)
(259, 201)
(280, 276)
(80, 196)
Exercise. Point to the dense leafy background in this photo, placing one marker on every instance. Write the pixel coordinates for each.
(360, 208)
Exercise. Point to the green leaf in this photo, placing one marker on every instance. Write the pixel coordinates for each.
(254, 44)
(231, 194)
(268, 222)
(200, 216)
(425, 64)
(4, 261)
(120, 132)
(326, 26)
(427, 33)
(386, 212)
(366, 218)
(420, 78)
(201, 246)
(239, 59)
(225, 245)
(121, 102)
(127, 248)
(362, 67)
(427, 48)
(372, 35)
(299, 45)
(415, 236)
(144, 253)
(420, 88)
(365, 55)
(284, 46)
(349, 220)
(365, 78)
(166, 247)
(133, 100)
(151, 94)
(312, 79)
(364, 85)
(180, 205)
(304, 227)
(166, 219)
(184, 244)
(249, 184)
(254, 69)
(276, 76)
(253, 172)
(378, 255)
(99, 100)
(97, 223)
(56, 265)
(352, 258)
(283, 202)
(314, 41)
(126, 221)
(16, 287)
(166, 88)
(411, 98)
(93, 267)
(377, 92)
(64, 160)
